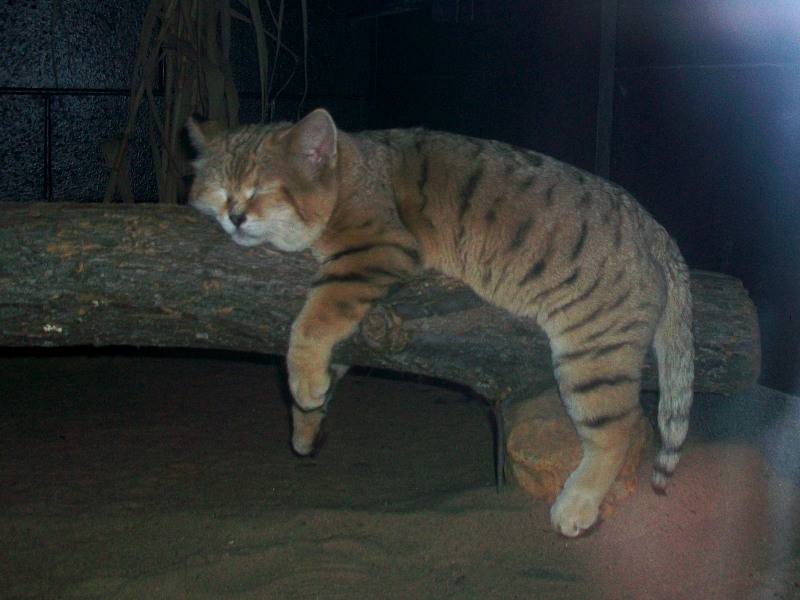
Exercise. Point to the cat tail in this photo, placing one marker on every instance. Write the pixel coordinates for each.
(674, 350)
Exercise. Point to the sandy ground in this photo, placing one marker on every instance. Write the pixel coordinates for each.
(171, 477)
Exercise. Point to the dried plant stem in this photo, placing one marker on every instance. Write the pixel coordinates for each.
(184, 50)
(138, 85)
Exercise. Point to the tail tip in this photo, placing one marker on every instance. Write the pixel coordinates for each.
(659, 484)
(661, 475)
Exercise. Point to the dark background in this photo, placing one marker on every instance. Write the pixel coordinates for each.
(705, 126)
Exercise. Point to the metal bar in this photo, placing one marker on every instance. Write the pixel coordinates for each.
(605, 100)
(14, 91)
(25, 91)
(392, 8)
(48, 152)
(711, 66)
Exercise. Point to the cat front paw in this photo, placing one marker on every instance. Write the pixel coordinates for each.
(309, 388)
(306, 430)
(574, 512)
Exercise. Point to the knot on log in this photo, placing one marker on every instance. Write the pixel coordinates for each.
(382, 331)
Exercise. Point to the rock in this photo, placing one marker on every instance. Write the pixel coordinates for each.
(543, 448)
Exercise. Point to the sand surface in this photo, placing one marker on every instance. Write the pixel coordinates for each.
(147, 476)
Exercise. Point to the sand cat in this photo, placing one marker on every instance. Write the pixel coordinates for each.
(527, 233)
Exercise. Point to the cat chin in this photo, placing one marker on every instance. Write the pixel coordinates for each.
(295, 245)
(246, 240)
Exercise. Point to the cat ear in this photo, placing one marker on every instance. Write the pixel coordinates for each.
(201, 132)
(314, 138)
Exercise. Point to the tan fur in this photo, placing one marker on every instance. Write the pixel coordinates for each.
(526, 232)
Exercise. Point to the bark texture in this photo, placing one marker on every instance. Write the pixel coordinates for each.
(166, 276)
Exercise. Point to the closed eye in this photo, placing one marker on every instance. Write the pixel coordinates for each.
(205, 207)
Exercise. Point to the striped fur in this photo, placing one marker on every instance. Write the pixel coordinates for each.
(526, 232)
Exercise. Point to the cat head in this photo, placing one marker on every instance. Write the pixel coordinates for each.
(267, 183)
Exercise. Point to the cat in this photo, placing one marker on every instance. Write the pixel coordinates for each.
(530, 234)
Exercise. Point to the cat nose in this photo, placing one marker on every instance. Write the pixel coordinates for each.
(237, 218)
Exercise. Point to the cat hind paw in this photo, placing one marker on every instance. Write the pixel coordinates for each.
(574, 513)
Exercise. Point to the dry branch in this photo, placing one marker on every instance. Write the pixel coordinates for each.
(165, 276)
(184, 52)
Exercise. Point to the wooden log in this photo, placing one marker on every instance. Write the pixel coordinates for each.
(166, 276)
